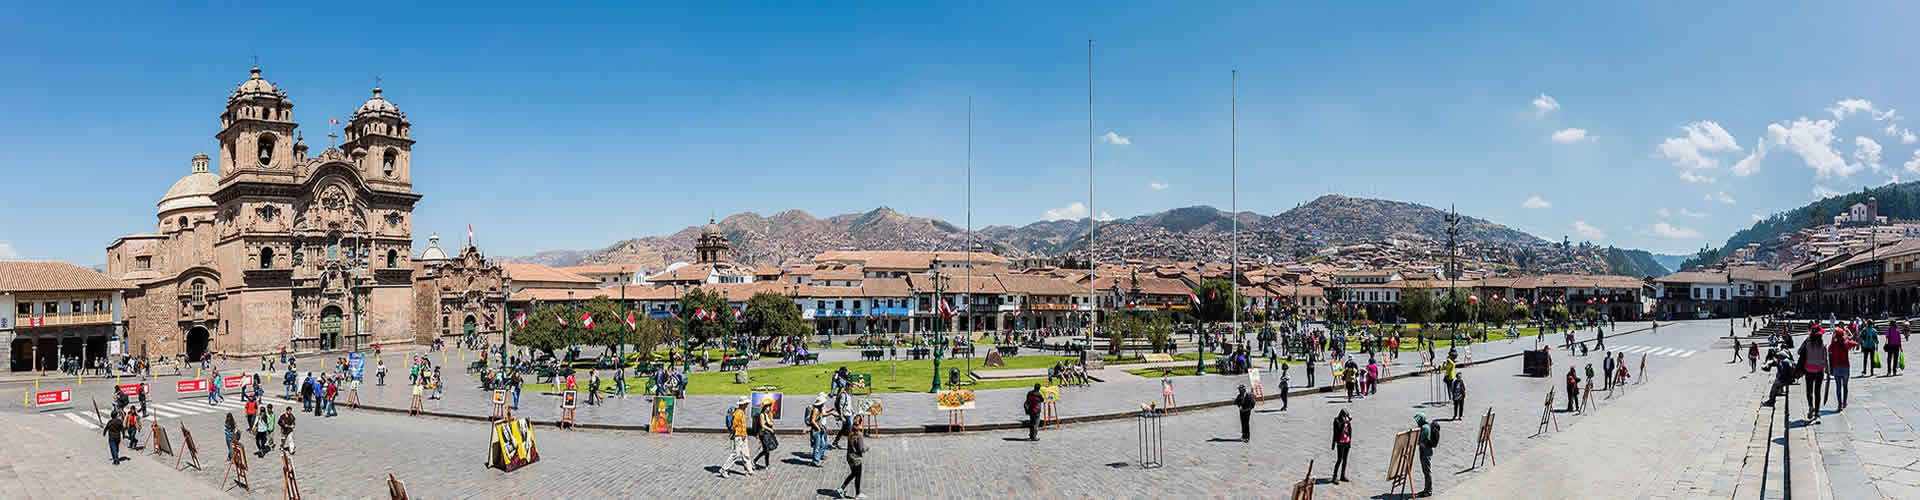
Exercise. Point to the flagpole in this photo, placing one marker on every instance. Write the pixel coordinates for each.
(1233, 268)
(1093, 272)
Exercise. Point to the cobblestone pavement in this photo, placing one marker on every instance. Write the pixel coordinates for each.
(51, 459)
(1869, 450)
(348, 456)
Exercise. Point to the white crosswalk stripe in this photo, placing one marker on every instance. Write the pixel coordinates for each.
(77, 420)
(1674, 352)
(1688, 353)
(164, 411)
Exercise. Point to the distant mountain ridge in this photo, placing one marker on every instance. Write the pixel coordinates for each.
(1896, 201)
(1186, 233)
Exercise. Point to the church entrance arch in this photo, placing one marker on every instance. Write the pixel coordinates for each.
(330, 328)
(468, 327)
(197, 340)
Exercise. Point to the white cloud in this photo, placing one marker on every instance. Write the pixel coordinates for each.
(1691, 152)
(1720, 196)
(1536, 202)
(1115, 139)
(1867, 151)
(1545, 104)
(1103, 217)
(1906, 136)
(1671, 232)
(1813, 141)
(1756, 217)
(1821, 192)
(1664, 212)
(1075, 210)
(1913, 165)
(1849, 106)
(1747, 166)
(1158, 186)
(1570, 135)
(1693, 214)
(1587, 231)
(8, 253)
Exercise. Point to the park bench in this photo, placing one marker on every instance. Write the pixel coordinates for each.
(1158, 357)
(872, 354)
(476, 366)
(963, 350)
(731, 364)
(808, 358)
(919, 353)
(547, 373)
(1008, 350)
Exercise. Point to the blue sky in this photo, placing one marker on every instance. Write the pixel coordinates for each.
(573, 128)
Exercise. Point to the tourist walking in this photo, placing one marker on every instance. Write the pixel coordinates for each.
(843, 406)
(1869, 350)
(286, 430)
(1813, 361)
(1032, 408)
(1342, 443)
(763, 428)
(1753, 357)
(1429, 438)
(380, 373)
(1838, 352)
(737, 440)
(1895, 359)
(1244, 401)
(1285, 383)
(1458, 391)
(113, 430)
(856, 457)
(262, 431)
(1573, 388)
(817, 428)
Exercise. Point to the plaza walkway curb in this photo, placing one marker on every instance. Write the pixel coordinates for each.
(943, 429)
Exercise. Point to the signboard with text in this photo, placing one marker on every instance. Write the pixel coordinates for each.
(130, 390)
(234, 382)
(357, 364)
(60, 397)
(195, 385)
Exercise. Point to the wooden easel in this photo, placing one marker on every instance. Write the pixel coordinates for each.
(159, 438)
(353, 398)
(1643, 370)
(1546, 415)
(1167, 401)
(957, 421)
(414, 407)
(396, 490)
(1400, 463)
(192, 450)
(1049, 413)
(236, 466)
(868, 423)
(1303, 489)
(567, 402)
(500, 411)
(291, 490)
(1485, 447)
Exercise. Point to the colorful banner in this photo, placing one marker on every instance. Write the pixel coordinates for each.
(357, 365)
(1049, 394)
(662, 422)
(769, 402)
(195, 385)
(234, 382)
(956, 400)
(130, 390)
(60, 397)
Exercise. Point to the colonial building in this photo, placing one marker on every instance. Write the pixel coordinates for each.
(458, 296)
(54, 310)
(279, 249)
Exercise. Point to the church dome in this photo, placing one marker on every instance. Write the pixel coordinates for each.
(193, 191)
(376, 105)
(711, 230)
(256, 86)
(433, 251)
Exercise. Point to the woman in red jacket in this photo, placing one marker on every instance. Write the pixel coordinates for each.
(1838, 361)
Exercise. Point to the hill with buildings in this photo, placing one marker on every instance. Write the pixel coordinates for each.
(1773, 241)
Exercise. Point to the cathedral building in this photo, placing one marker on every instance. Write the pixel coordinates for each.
(279, 248)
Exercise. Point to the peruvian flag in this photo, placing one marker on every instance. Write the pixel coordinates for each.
(521, 319)
(586, 320)
(737, 312)
(1194, 298)
(630, 323)
(1473, 299)
(946, 310)
(470, 243)
(336, 121)
(561, 319)
(675, 315)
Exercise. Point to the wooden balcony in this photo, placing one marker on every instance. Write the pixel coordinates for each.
(70, 319)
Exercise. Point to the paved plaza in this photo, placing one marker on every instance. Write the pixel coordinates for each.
(1664, 437)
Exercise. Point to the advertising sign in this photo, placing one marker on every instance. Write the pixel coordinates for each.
(130, 390)
(195, 385)
(234, 382)
(60, 397)
(357, 365)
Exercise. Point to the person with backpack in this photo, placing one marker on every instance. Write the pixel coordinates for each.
(817, 428)
(1429, 438)
(762, 428)
(737, 451)
(1573, 388)
(1782, 367)
(1812, 354)
(263, 432)
(1032, 408)
(253, 408)
(1869, 350)
(1838, 359)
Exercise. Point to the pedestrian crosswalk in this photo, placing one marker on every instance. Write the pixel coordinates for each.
(1653, 350)
(173, 409)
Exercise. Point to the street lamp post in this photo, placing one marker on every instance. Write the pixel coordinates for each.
(939, 287)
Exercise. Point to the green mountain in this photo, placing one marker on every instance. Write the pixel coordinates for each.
(1897, 201)
(1634, 263)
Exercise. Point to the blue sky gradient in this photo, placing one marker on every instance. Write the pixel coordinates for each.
(572, 128)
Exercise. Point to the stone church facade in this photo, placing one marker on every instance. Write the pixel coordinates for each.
(280, 249)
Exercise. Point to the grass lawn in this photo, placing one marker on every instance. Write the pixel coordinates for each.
(888, 376)
(1136, 359)
(1158, 372)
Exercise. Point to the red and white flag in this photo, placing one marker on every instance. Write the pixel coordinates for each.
(737, 312)
(489, 320)
(675, 315)
(586, 320)
(469, 234)
(336, 121)
(946, 310)
(562, 319)
(1194, 298)
(630, 323)
(521, 319)
(1475, 299)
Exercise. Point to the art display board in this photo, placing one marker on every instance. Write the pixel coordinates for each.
(768, 402)
(513, 446)
(1400, 463)
(1049, 394)
(662, 421)
(958, 399)
(860, 383)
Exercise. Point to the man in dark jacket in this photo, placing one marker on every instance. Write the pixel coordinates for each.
(112, 430)
(1244, 401)
(1033, 413)
(1429, 438)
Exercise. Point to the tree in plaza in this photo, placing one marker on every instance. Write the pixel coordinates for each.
(1418, 305)
(1454, 306)
(1520, 311)
(649, 333)
(1217, 301)
(770, 315)
(1496, 310)
(1118, 328)
(718, 322)
(543, 331)
(1559, 313)
(1157, 327)
(608, 323)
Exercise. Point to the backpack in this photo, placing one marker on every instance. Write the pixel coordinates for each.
(729, 420)
(1433, 435)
